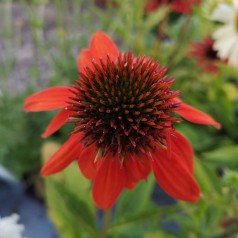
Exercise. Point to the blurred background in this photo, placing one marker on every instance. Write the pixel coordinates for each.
(39, 43)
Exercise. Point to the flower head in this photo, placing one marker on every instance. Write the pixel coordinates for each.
(124, 101)
(124, 111)
(226, 37)
(10, 228)
(180, 6)
(205, 55)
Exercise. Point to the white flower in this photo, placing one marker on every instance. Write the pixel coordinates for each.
(226, 37)
(9, 228)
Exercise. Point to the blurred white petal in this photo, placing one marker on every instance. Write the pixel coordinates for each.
(225, 47)
(224, 13)
(226, 37)
(9, 227)
(234, 55)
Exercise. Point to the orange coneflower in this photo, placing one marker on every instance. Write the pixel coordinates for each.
(123, 110)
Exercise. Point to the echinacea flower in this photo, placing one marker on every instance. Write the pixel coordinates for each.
(123, 110)
(179, 6)
(9, 227)
(205, 55)
(226, 37)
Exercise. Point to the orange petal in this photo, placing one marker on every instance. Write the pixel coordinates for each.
(138, 168)
(130, 179)
(56, 123)
(130, 184)
(181, 146)
(109, 182)
(173, 175)
(101, 45)
(67, 153)
(194, 115)
(84, 60)
(87, 163)
(48, 99)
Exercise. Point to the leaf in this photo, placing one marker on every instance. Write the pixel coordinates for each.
(202, 176)
(77, 207)
(48, 149)
(213, 216)
(60, 215)
(69, 199)
(207, 178)
(224, 156)
(136, 200)
(152, 213)
(157, 234)
(155, 17)
(72, 216)
(197, 135)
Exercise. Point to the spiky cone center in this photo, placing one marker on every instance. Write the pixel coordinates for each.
(211, 54)
(123, 106)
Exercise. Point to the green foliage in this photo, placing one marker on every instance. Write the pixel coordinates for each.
(224, 156)
(17, 131)
(70, 204)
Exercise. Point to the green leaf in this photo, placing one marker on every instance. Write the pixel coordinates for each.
(60, 215)
(157, 234)
(69, 199)
(72, 215)
(155, 17)
(213, 217)
(197, 135)
(207, 178)
(137, 200)
(77, 207)
(149, 215)
(224, 156)
(202, 176)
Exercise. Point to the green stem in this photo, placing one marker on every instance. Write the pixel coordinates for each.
(106, 222)
(178, 45)
(161, 32)
(7, 19)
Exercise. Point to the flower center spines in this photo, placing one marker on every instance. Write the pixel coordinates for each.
(123, 106)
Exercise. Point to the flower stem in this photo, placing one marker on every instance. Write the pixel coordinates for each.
(178, 45)
(105, 225)
(161, 32)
